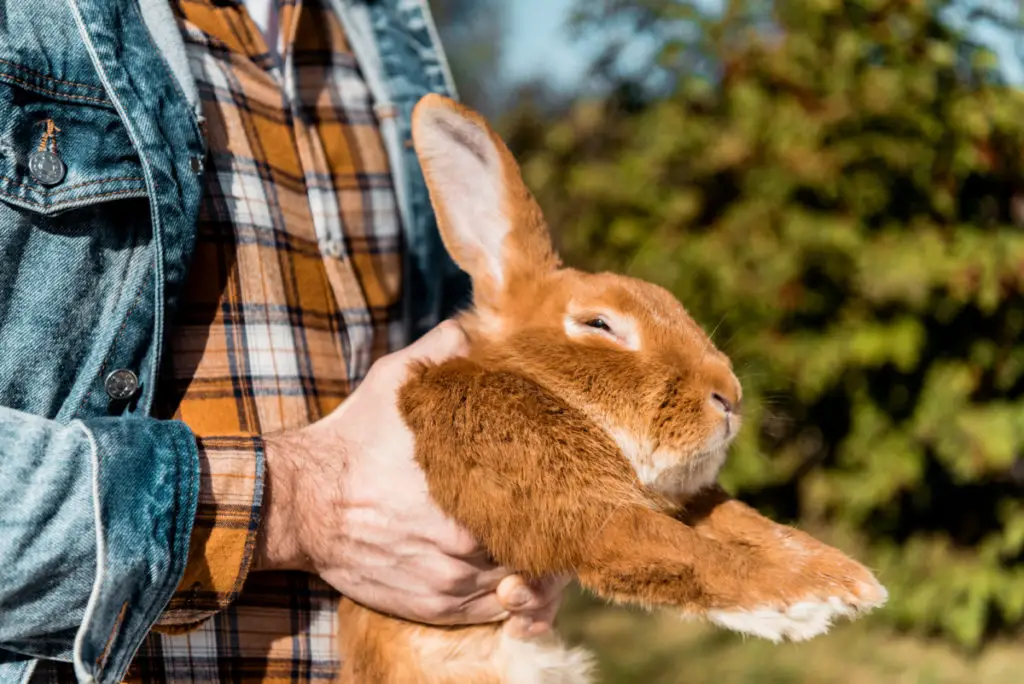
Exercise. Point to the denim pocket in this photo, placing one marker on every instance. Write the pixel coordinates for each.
(62, 144)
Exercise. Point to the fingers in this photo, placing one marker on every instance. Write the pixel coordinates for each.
(443, 342)
(458, 578)
(452, 539)
(519, 596)
(485, 608)
(527, 609)
(516, 595)
(522, 626)
(533, 607)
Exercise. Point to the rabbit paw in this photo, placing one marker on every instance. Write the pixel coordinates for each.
(794, 586)
(805, 617)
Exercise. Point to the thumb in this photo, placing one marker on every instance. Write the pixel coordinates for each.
(443, 342)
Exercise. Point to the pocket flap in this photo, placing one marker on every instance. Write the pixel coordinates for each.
(58, 153)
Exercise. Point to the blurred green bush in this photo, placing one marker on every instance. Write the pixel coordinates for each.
(836, 188)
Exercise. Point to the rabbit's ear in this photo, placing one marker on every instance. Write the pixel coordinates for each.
(489, 221)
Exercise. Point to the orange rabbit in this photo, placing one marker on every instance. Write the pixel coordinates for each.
(583, 435)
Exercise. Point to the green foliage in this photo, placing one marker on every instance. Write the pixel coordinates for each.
(837, 188)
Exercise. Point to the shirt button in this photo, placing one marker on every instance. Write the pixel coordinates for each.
(385, 110)
(197, 164)
(121, 384)
(46, 167)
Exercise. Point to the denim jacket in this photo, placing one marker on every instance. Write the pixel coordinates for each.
(101, 157)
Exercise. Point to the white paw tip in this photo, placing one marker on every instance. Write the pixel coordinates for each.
(799, 621)
(874, 594)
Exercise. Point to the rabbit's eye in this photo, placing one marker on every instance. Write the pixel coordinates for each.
(603, 326)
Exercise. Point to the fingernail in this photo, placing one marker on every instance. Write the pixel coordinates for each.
(520, 597)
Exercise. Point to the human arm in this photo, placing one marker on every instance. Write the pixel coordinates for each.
(345, 499)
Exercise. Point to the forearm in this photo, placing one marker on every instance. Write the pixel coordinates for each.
(247, 520)
(277, 546)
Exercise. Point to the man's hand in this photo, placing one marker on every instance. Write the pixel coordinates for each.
(345, 499)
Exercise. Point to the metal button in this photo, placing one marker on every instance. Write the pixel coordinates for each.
(46, 167)
(121, 384)
(197, 164)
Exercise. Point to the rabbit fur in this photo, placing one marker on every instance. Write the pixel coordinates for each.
(582, 435)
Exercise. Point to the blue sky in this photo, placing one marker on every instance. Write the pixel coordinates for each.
(538, 43)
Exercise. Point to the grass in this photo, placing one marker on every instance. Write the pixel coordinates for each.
(635, 647)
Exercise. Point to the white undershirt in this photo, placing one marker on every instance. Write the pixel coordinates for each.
(264, 13)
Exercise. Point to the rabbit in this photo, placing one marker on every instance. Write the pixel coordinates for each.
(582, 435)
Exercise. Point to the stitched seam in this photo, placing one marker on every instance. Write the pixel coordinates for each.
(101, 565)
(50, 78)
(171, 76)
(102, 657)
(57, 205)
(32, 186)
(48, 91)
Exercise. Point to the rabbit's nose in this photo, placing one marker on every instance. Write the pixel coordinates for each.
(723, 404)
(728, 401)
(723, 388)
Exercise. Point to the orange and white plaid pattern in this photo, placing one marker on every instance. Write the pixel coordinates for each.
(293, 292)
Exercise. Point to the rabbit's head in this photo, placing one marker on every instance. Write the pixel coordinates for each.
(622, 350)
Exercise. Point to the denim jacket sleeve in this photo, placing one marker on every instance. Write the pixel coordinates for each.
(92, 547)
(97, 497)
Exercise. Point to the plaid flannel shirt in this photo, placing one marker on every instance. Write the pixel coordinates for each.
(294, 291)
